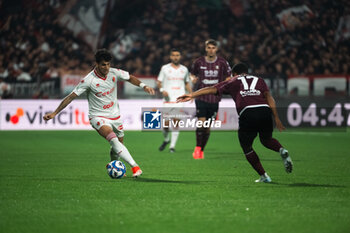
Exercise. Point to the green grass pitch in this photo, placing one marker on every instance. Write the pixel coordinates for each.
(56, 181)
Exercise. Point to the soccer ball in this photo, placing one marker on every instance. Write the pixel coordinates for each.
(116, 169)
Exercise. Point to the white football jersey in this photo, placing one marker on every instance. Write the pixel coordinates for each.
(173, 80)
(102, 92)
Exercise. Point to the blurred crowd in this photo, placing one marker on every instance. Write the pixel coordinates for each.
(257, 37)
(34, 47)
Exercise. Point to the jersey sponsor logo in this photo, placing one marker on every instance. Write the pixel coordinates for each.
(176, 78)
(100, 94)
(211, 73)
(249, 93)
(108, 105)
(249, 90)
(210, 82)
(203, 67)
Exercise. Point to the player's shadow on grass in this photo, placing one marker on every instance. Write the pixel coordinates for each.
(316, 185)
(151, 180)
(223, 155)
(90, 179)
(311, 185)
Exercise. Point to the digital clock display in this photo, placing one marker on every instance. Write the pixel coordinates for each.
(316, 115)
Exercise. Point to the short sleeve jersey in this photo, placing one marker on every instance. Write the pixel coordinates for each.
(209, 74)
(246, 90)
(173, 80)
(102, 92)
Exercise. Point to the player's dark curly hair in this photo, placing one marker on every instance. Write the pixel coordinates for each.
(102, 55)
(175, 50)
(211, 42)
(240, 68)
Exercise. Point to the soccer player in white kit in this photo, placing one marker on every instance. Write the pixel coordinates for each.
(104, 115)
(173, 81)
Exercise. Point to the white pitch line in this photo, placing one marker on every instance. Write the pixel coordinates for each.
(311, 133)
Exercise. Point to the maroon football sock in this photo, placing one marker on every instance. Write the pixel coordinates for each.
(206, 135)
(254, 160)
(272, 144)
(199, 137)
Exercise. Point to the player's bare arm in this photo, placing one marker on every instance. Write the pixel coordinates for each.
(271, 102)
(188, 88)
(203, 91)
(160, 86)
(135, 81)
(66, 101)
(194, 78)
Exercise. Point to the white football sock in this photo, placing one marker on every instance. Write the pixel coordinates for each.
(166, 135)
(121, 151)
(174, 136)
(113, 155)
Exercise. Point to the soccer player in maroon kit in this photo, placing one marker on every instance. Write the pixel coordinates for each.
(207, 71)
(255, 107)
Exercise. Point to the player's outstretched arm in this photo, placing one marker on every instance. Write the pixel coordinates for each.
(135, 81)
(60, 107)
(271, 102)
(203, 91)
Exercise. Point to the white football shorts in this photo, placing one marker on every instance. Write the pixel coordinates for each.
(115, 123)
(173, 111)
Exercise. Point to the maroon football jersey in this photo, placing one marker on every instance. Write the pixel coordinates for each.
(246, 90)
(209, 74)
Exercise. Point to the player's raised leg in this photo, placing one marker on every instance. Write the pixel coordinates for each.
(287, 161)
(119, 149)
(273, 144)
(113, 154)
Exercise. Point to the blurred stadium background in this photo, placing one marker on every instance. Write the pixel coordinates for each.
(46, 46)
